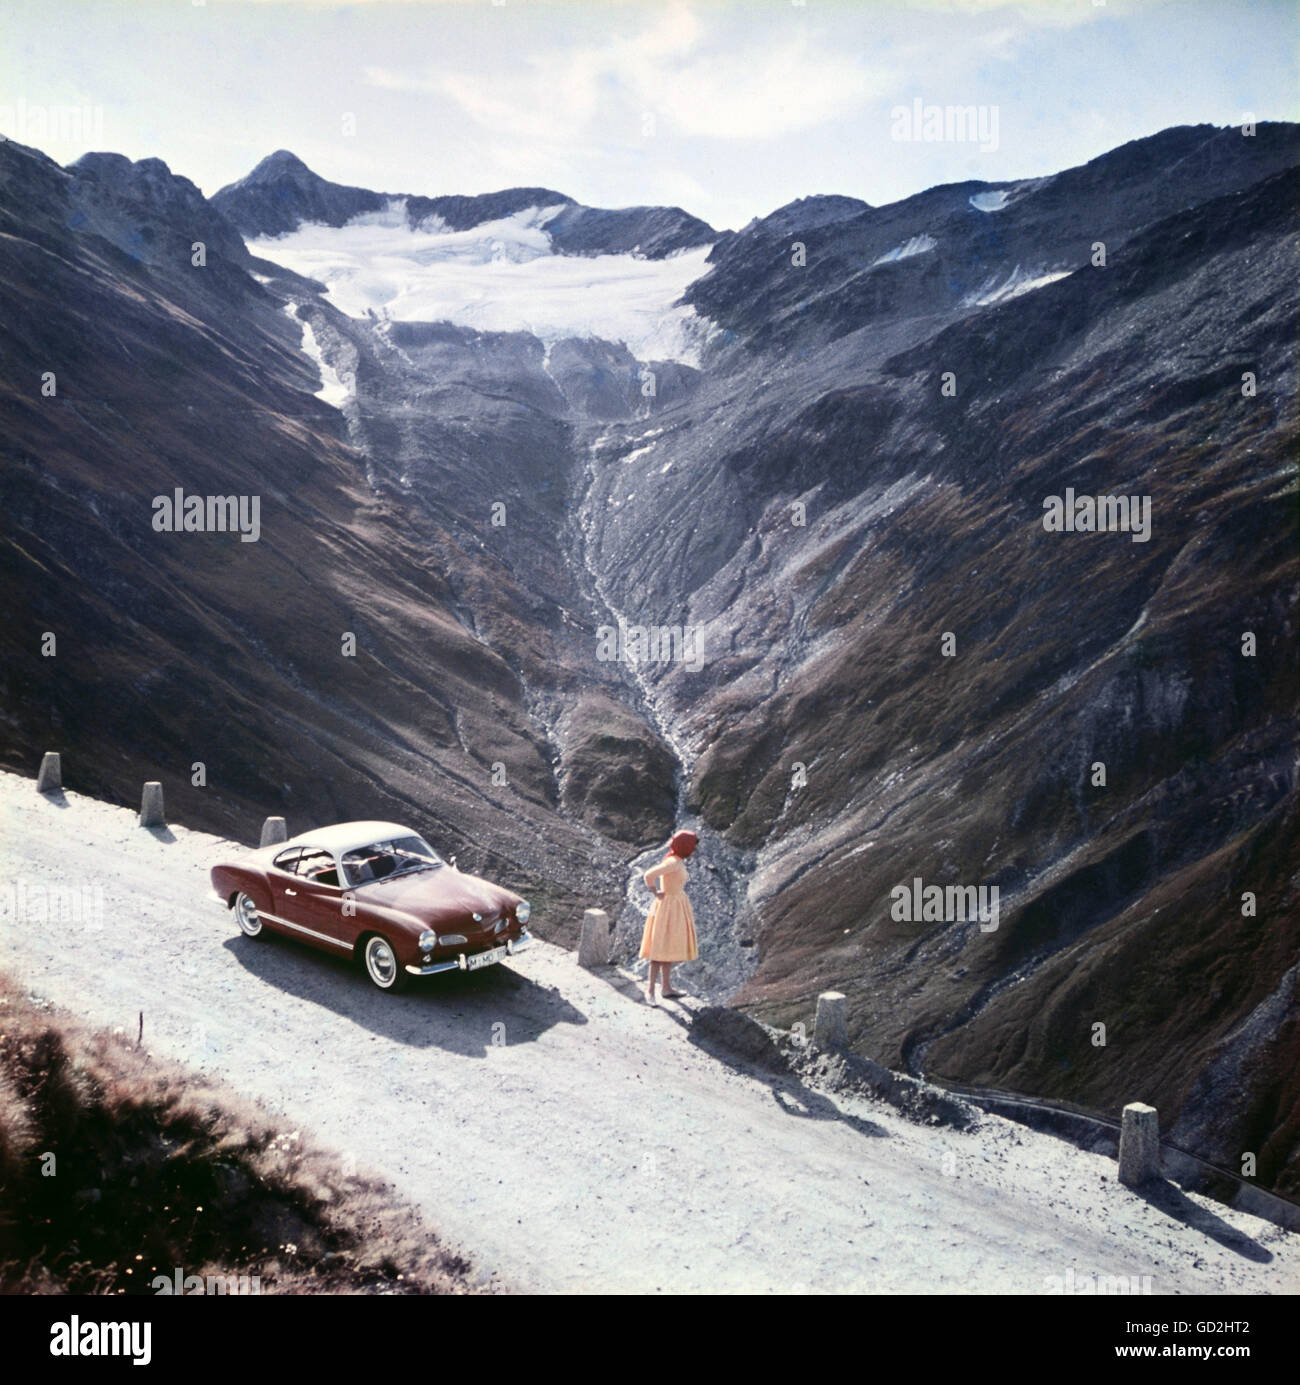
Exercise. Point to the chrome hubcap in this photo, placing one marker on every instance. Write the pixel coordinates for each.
(246, 916)
(381, 962)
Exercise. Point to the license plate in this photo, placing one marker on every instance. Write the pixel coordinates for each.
(484, 959)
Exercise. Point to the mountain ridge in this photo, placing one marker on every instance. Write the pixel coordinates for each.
(281, 193)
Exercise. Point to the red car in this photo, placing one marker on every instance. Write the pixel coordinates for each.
(379, 892)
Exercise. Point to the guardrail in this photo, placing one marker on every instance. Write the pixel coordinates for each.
(49, 779)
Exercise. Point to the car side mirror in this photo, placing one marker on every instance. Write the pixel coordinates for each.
(452, 863)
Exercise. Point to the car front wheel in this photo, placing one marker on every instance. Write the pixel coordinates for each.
(247, 917)
(382, 965)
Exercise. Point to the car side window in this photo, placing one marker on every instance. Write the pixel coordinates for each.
(317, 865)
(288, 860)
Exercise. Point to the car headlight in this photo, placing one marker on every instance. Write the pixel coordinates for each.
(428, 940)
(523, 911)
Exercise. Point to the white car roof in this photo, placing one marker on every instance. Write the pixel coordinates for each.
(344, 836)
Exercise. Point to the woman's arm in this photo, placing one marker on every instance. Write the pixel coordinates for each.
(655, 873)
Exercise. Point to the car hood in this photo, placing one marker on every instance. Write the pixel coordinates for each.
(439, 897)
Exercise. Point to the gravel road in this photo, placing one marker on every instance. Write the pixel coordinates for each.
(566, 1136)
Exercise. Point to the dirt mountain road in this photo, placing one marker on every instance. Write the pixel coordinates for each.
(565, 1135)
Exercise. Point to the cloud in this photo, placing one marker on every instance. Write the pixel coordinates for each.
(784, 88)
(706, 86)
(1053, 14)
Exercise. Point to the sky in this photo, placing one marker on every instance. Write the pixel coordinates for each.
(726, 109)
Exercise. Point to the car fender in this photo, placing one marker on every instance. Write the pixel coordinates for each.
(228, 881)
(401, 929)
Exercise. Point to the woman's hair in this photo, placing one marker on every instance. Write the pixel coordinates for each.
(683, 843)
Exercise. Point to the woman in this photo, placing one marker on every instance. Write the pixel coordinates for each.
(670, 925)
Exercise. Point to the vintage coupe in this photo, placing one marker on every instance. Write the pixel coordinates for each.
(378, 892)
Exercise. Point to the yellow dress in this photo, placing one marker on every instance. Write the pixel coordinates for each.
(670, 925)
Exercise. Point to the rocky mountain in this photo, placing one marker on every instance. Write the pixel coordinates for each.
(830, 477)
(650, 231)
(808, 214)
(963, 245)
(180, 649)
(282, 192)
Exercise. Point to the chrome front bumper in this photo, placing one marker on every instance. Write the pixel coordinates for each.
(513, 946)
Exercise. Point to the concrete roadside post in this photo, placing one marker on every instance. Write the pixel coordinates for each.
(593, 948)
(830, 1028)
(151, 805)
(273, 830)
(50, 778)
(1139, 1145)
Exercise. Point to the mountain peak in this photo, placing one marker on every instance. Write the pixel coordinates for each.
(282, 164)
(810, 213)
(282, 192)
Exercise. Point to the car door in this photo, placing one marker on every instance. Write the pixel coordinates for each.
(308, 903)
(317, 900)
(282, 879)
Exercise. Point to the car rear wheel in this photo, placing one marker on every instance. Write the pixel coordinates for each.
(382, 966)
(247, 917)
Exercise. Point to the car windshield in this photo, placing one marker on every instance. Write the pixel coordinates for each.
(386, 859)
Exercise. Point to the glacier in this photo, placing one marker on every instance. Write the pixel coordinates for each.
(500, 276)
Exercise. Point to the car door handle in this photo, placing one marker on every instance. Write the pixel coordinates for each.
(288, 891)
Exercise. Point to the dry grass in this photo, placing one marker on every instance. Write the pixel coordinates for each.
(156, 1168)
